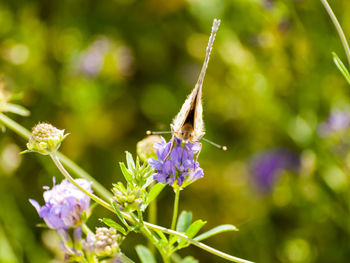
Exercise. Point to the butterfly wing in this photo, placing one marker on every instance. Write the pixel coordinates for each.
(181, 117)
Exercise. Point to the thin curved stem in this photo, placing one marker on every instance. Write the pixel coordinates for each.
(60, 167)
(176, 207)
(338, 27)
(73, 167)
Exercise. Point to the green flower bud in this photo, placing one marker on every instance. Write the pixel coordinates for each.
(45, 139)
(127, 199)
(145, 148)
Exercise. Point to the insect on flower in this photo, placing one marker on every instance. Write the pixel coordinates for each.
(188, 123)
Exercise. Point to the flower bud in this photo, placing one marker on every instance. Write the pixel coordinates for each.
(105, 243)
(127, 199)
(145, 149)
(45, 139)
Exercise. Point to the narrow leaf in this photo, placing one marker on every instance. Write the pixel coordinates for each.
(17, 109)
(341, 67)
(215, 231)
(192, 231)
(119, 214)
(161, 235)
(130, 161)
(155, 191)
(111, 223)
(126, 173)
(145, 254)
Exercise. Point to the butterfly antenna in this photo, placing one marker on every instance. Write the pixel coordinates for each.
(224, 148)
(157, 132)
(214, 29)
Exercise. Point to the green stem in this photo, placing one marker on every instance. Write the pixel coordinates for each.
(73, 167)
(176, 207)
(338, 27)
(86, 229)
(152, 217)
(71, 179)
(147, 233)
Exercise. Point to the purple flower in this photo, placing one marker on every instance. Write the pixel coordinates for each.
(176, 163)
(338, 121)
(64, 204)
(267, 166)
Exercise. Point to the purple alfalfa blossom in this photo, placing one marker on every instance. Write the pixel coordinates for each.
(64, 204)
(176, 162)
(337, 122)
(268, 165)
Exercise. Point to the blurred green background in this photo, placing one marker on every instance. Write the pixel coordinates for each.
(107, 71)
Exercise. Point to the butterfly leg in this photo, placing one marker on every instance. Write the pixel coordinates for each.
(171, 147)
(200, 149)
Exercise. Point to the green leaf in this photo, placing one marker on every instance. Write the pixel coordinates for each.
(111, 223)
(184, 221)
(130, 161)
(119, 214)
(145, 254)
(155, 191)
(192, 231)
(215, 231)
(341, 67)
(161, 235)
(17, 109)
(127, 175)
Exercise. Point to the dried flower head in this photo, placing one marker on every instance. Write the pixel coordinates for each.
(177, 167)
(64, 204)
(45, 139)
(128, 199)
(105, 243)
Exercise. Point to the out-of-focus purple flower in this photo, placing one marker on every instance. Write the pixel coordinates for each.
(267, 166)
(91, 60)
(338, 121)
(64, 204)
(177, 165)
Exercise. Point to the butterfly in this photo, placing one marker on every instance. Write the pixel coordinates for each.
(188, 124)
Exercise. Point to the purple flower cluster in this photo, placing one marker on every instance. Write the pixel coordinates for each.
(64, 204)
(177, 166)
(267, 166)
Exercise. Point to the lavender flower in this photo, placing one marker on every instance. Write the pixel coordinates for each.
(267, 166)
(64, 204)
(338, 121)
(179, 166)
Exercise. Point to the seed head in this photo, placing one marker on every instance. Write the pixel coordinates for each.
(45, 139)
